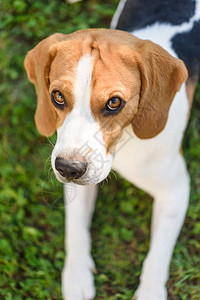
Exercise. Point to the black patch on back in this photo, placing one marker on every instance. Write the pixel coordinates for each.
(140, 13)
(187, 47)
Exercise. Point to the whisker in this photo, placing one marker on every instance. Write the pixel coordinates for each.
(101, 184)
(50, 168)
(49, 145)
(115, 175)
(49, 175)
(51, 178)
(52, 144)
(47, 161)
(49, 172)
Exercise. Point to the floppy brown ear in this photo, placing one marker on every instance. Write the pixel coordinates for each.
(161, 77)
(37, 64)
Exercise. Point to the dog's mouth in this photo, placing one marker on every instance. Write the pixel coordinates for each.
(89, 178)
(85, 181)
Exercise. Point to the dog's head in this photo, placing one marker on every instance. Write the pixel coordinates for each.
(90, 85)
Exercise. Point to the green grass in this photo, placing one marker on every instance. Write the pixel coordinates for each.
(31, 205)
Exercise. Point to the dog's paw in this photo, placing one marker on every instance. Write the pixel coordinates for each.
(78, 281)
(143, 293)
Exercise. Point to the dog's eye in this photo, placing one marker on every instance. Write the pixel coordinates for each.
(113, 106)
(113, 103)
(57, 98)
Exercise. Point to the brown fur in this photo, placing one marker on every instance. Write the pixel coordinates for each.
(140, 72)
(162, 76)
(37, 64)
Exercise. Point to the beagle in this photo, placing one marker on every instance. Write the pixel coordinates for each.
(120, 101)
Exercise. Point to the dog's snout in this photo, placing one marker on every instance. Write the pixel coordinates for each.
(69, 168)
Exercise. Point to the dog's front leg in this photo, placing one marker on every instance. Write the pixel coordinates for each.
(77, 277)
(170, 206)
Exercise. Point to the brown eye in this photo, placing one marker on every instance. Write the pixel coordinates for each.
(113, 103)
(57, 98)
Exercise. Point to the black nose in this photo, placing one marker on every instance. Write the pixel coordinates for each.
(70, 169)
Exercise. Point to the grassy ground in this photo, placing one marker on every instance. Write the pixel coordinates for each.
(31, 205)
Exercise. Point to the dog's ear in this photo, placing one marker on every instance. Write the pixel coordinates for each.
(37, 64)
(161, 77)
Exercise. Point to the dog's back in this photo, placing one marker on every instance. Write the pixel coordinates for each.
(173, 24)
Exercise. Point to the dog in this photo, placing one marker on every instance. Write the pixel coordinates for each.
(121, 101)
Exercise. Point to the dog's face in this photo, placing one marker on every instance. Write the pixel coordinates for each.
(93, 104)
(90, 86)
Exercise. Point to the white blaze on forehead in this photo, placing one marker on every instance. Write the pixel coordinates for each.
(82, 89)
(79, 126)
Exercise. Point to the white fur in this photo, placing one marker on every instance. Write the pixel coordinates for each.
(77, 277)
(79, 132)
(117, 14)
